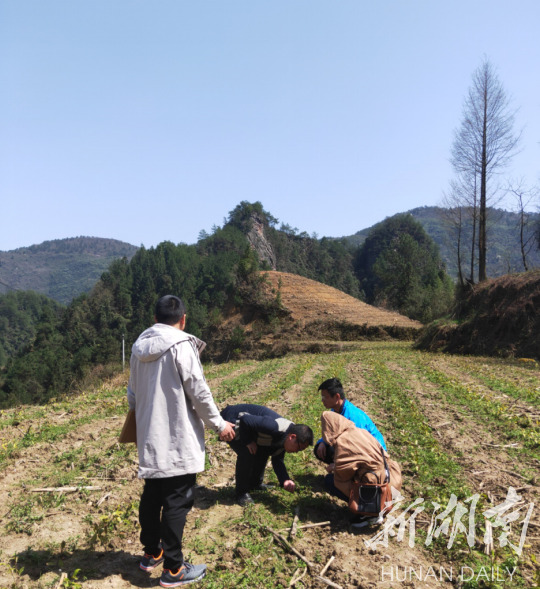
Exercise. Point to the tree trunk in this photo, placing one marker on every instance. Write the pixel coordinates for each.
(522, 224)
(474, 223)
(483, 199)
(460, 270)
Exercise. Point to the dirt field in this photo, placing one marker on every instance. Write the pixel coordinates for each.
(47, 533)
(457, 425)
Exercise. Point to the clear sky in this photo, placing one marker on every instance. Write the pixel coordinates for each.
(150, 120)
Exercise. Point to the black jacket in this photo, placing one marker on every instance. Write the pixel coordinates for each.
(268, 429)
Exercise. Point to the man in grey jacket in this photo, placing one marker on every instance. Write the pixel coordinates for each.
(172, 405)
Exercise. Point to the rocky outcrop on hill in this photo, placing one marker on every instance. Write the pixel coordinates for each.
(258, 241)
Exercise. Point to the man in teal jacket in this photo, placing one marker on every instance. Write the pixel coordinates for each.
(333, 398)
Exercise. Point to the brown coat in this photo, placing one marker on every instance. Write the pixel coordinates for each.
(356, 452)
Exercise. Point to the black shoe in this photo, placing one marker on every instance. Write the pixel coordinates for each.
(244, 499)
(149, 562)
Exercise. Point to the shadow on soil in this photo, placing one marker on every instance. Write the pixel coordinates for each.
(96, 565)
(313, 508)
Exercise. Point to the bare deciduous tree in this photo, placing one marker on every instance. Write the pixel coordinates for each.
(483, 144)
(523, 198)
(453, 215)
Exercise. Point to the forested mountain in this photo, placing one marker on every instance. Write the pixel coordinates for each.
(61, 269)
(399, 267)
(396, 266)
(503, 254)
(65, 268)
(215, 277)
(20, 314)
(221, 269)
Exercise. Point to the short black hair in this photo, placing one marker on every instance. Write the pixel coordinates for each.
(303, 433)
(169, 310)
(333, 386)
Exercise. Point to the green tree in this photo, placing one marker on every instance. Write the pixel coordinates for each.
(20, 312)
(241, 216)
(399, 268)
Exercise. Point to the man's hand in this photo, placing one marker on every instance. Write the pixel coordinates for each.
(321, 451)
(227, 433)
(289, 486)
(252, 447)
(330, 467)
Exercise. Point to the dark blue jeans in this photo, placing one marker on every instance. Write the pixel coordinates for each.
(163, 509)
(332, 489)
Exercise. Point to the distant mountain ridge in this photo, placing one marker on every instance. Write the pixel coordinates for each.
(504, 254)
(62, 268)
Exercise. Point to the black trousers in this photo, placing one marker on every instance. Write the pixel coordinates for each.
(331, 488)
(163, 509)
(249, 470)
(329, 478)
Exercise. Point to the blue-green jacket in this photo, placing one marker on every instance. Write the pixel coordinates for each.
(361, 420)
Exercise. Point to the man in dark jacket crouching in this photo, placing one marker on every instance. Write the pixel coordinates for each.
(261, 433)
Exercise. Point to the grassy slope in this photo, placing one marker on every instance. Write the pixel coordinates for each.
(498, 317)
(456, 424)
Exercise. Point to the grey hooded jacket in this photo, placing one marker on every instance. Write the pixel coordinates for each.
(172, 402)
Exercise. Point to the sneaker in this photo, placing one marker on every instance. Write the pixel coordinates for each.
(150, 562)
(244, 499)
(187, 573)
(364, 522)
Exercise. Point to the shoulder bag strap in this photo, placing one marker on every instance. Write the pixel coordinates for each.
(385, 466)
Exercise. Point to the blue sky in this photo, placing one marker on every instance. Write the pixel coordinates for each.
(147, 121)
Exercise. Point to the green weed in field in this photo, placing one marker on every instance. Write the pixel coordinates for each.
(23, 517)
(114, 524)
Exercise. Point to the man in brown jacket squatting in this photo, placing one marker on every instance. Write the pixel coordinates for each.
(357, 456)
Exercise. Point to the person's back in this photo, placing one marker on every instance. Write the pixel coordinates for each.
(163, 358)
(362, 420)
(257, 423)
(172, 403)
(356, 451)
